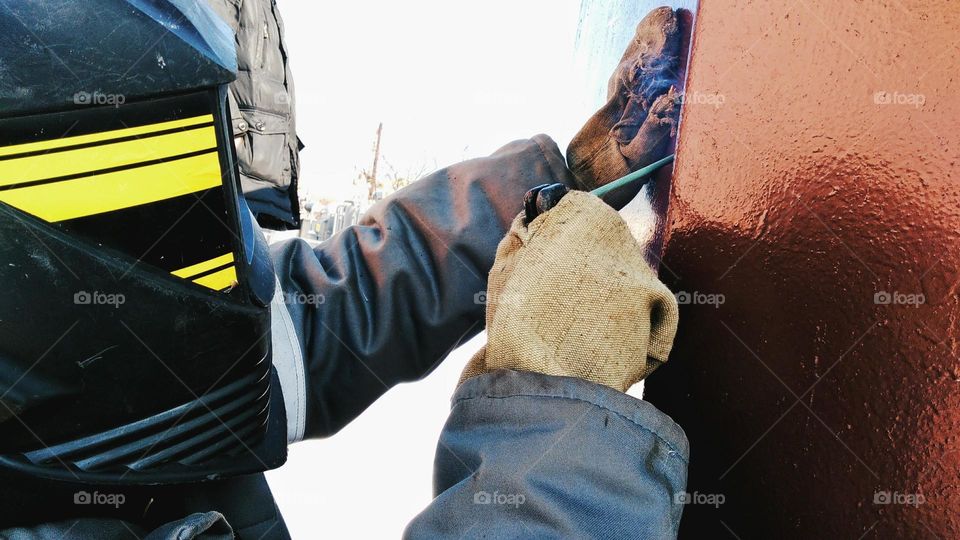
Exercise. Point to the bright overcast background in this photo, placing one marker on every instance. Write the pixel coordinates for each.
(450, 80)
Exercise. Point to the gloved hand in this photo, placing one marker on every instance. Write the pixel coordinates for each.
(572, 294)
(638, 123)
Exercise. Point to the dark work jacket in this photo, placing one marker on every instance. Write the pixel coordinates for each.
(400, 293)
(263, 111)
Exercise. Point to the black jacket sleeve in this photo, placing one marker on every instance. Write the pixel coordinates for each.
(388, 299)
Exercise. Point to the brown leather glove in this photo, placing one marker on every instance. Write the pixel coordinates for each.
(572, 294)
(638, 123)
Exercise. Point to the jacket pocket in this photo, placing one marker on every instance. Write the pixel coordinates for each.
(264, 150)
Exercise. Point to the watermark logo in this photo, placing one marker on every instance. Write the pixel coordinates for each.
(895, 497)
(698, 298)
(504, 499)
(713, 99)
(303, 299)
(882, 97)
(709, 499)
(484, 298)
(96, 498)
(97, 298)
(896, 298)
(98, 98)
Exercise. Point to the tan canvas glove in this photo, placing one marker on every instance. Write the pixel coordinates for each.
(571, 294)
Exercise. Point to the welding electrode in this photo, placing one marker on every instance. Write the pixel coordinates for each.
(544, 197)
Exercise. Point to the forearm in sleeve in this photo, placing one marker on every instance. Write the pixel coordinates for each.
(386, 300)
(527, 455)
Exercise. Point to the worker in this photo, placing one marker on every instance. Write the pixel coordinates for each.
(542, 440)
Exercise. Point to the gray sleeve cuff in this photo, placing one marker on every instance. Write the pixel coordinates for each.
(288, 361)
(544, 456)
(643, 415)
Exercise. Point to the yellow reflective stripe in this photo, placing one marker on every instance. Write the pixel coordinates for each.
(58, 201)
(104, 136)
(218, 280)
(203, 266)
(81, 160)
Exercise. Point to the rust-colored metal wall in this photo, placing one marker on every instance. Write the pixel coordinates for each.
(817, 190)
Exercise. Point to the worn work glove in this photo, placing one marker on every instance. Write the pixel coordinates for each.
(571, 294)
(638, 123)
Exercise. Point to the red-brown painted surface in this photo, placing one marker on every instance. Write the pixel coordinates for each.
(817, 177)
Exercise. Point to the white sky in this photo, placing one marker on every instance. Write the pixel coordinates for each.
(449, 80)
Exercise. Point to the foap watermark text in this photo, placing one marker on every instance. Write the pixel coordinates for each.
(503, 499)
(699, 298)
(882, 97)
(895, 497)
(708, 499)
(897, 298)
(98, 98)
(98, 298)
(115, 500)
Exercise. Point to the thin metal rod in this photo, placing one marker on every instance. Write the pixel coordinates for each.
(632, 177)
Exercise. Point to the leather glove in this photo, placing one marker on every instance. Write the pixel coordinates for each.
(572, 294)
(638, 123)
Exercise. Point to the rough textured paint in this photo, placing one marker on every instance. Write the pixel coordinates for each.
(816, 171)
